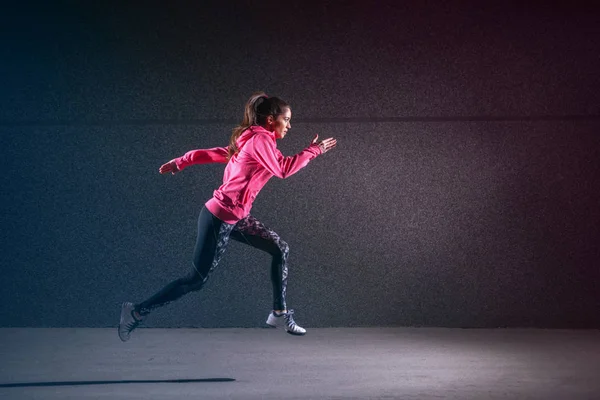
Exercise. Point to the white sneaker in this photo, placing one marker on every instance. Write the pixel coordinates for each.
(128, 321)
(286, 320)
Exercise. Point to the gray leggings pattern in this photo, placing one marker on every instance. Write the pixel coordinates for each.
(212, 240)
(221, 239)
(254, 233)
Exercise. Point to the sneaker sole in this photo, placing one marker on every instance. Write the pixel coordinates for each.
(296, 334)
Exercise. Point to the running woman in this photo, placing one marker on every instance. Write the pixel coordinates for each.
(252, 158)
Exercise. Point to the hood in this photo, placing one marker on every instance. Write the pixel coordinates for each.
(248, 133)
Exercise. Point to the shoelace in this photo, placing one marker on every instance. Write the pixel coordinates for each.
(133, 324)
(290, 320)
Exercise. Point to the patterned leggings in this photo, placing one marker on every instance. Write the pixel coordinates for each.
(213, 237)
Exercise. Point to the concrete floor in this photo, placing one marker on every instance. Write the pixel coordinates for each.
(345, 363)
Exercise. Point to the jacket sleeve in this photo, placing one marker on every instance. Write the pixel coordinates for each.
(265, 152)
(202, 156)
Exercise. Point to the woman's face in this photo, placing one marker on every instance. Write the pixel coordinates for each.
(282, 124)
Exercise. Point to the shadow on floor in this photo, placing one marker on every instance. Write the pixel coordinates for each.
(83, 383)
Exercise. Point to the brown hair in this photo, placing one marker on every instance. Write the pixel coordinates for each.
(258, 107)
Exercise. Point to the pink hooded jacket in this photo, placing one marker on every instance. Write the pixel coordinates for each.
(247, 171)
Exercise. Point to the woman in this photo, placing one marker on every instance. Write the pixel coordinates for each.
(252, 159)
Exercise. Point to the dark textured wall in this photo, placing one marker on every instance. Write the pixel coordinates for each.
(463, 192)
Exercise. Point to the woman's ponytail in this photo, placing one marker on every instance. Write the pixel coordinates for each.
(250, 118)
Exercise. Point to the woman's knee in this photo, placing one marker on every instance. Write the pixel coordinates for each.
(283, 248)
(194, 281)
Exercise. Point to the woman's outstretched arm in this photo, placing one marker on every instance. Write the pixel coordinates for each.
(265, 152)
(200, 156)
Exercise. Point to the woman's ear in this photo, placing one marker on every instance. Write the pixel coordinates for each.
(270, 120)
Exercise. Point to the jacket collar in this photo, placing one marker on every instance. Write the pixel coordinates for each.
(258, 128)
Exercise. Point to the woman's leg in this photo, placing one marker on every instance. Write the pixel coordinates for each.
(252, 232)
(212, 239)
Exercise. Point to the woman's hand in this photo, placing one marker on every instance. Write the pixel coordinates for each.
(326, 144)
(169, 167)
